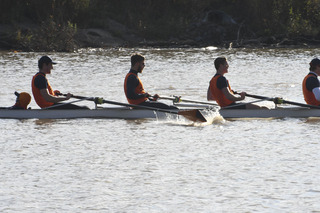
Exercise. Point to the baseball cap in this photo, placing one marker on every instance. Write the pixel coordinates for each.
(45, 60)
(315, 62)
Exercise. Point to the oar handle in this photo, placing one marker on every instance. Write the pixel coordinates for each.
(275, 100)
(254, 96)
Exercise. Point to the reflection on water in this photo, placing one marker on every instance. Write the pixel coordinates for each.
(312, 120)
(110, 165)
(45, 122)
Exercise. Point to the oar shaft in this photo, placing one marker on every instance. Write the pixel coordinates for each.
(284, 101)
(241, 104)
(257, 96)
(190, 114)
(186, 100)
(81, 97)
(300, 104)
(62, 104)
(127, 105)
(140, 107)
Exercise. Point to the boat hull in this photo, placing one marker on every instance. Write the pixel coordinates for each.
(279, 112)
(286, 112)
(129, 113)
(111, 113)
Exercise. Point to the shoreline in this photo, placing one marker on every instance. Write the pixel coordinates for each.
(102, 38)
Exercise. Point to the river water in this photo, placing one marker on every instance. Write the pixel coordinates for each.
(101, 165)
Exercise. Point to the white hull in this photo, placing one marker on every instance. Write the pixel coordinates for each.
(111, 113)
(129, 113)
(286, 112)
(279, 112)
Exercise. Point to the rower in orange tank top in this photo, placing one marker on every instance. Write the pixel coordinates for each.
(135, 95)
(220, 91)
(43, 92)
(311, 85)
(133, 87)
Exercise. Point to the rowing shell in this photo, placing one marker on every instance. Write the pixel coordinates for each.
(129, 113)
(111, 112)
(279, 112)
(283, 112)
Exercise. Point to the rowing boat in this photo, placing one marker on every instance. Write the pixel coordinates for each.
(130, 113)
(105, 112)
(110, 112)
(280, 112)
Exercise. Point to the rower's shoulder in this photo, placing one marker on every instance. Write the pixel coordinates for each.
(39, 77)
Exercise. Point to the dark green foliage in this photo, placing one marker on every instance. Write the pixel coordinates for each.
(156, 19)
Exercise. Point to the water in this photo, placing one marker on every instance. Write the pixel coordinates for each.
(98, 165)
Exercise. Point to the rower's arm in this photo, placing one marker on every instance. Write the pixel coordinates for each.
(231, 96)
(316, 92)
(50, 98)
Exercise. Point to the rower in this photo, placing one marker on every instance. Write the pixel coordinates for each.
(43, 93)
(22, 101)
(220, 91)
(133, 87)
(311, 85)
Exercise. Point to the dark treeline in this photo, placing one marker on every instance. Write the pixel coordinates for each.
(53, 24)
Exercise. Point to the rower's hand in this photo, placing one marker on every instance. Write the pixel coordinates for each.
(147, 95)
(155, 97)
(68, 96)
(56, 92)
(242, 96)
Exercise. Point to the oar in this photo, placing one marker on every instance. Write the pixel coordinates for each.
(241, 104)
(281, 101)
(193, 115)
(62, 104)
(177, 99)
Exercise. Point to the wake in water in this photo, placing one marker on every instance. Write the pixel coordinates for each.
(212, 116)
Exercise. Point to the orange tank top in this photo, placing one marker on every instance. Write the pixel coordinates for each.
(37, 95)
(308, 95)
(139, 90)
(217, 93)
